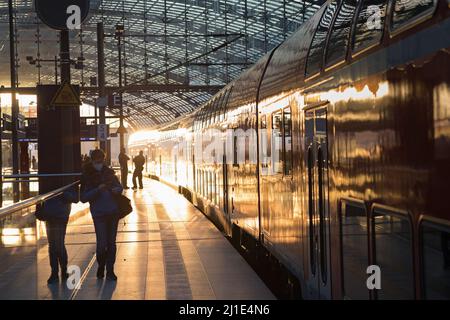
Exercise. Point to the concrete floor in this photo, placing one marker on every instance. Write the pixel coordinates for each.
(167, 249)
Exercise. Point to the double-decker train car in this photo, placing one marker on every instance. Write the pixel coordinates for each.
(340, 187)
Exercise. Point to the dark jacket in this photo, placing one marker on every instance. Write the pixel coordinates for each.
(102, 202)
(123, 161)
(139, 162)
(59, 207)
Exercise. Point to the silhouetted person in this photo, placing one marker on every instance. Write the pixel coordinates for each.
(99, 185)
(33, 163)
(85, 160)
(56, 212)
(123, 161)
(139, 162)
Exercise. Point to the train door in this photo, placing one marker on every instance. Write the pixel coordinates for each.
(318, 283)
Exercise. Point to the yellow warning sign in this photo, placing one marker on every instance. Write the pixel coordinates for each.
(66, 96)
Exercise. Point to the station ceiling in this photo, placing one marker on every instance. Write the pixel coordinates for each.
(204, 43)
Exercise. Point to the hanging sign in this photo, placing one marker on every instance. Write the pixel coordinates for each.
(62, 14)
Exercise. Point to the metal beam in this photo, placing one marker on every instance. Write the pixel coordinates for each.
(170, 88)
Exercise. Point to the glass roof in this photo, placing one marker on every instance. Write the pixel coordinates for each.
(190, 42)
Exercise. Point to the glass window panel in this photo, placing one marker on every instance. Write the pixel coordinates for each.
(407, 10)
(210, 186)
(436, 261)
(369, 25)
(355, 256)
(235, 150)
(309, 124)
(337, 46)
(277, 142)
(287, 122)
(393, 247)
(314, 61)
(205, 185)
(215, 188)
(263, 122)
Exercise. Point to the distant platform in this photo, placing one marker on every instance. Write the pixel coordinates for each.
(166, 250)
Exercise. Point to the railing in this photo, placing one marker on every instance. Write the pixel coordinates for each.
(17, 187)
(8, 210)
(18, 225)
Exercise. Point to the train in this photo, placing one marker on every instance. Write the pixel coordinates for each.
(327, 163)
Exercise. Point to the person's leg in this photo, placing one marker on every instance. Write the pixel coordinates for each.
(62, 252)
(140, 180)
(113, 223)
(102, 242)
(52, 247)
(134, 179)
(124, 176)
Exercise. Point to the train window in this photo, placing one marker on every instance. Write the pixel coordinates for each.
(199, 181)
(263, 122)
(210, 185)
(315, 54)
(235, 150)
(204, 184)
(287, 141)
(436, 260)
(406, 11)
(196, 180)
(215, 188)
(206, 187)
(354, 246)
(264, 143)
(393, 248)
(277, 142)
(369, 25)
(338, 43)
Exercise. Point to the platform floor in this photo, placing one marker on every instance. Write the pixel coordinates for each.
(167, 249)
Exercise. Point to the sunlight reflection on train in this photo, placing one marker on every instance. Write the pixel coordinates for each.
(351, 93)
(143, 136)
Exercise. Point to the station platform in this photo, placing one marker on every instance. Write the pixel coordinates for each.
(166, 250)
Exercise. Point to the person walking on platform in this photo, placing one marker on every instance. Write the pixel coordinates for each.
(139, 162)
(99, 186)
(55, 212)
(33, 163)
(123, 161)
